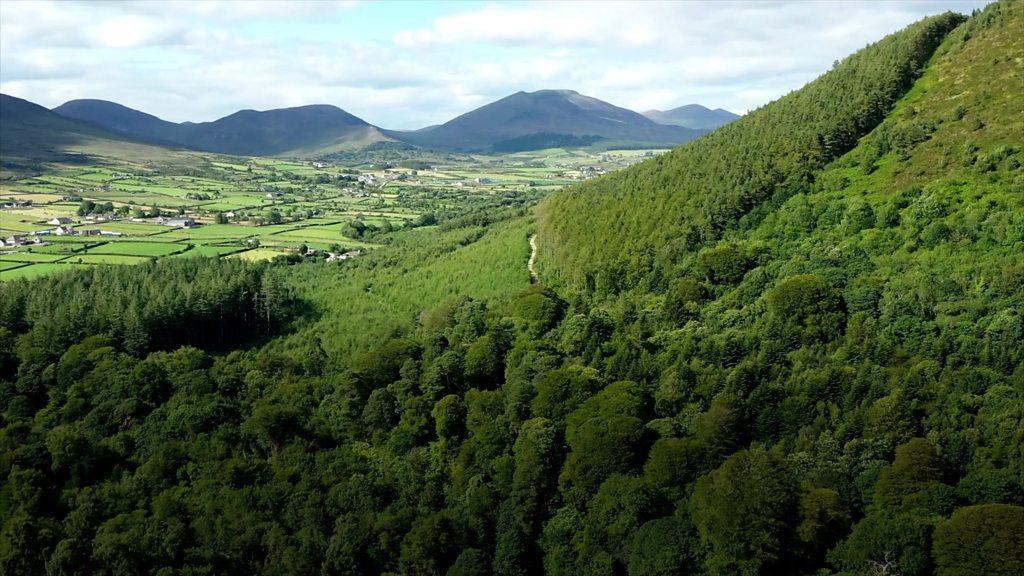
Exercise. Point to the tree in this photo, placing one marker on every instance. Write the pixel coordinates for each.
(916, 468)
(743, 512)
(471, 562)
(485, 361)
(805, 308)
(983, 540)
(599, 448)
(665, 547)
(673, 463)
(449, 417)
(429, 547)
(886, 542)
(684, 298)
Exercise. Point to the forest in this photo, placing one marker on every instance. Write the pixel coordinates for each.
(794, 346)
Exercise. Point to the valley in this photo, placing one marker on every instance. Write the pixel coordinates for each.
(117, 212)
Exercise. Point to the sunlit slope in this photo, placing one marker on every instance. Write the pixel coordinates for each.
(363, 302)
(649, 217)
(921, 226)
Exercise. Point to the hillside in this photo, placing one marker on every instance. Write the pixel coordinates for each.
(546, 115)
(664, 209)
(301, 131)
(693, 116)
(31, 132)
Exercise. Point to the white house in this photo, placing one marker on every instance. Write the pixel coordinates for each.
(59, 221)
(181, 222)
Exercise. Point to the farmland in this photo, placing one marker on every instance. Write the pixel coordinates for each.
(131, 211)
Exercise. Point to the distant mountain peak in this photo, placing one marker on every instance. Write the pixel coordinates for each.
(694, 116)
(548, 115)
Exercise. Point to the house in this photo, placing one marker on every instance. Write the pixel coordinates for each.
(181, 222)
(482, 180)
(110, 233)
(17, 240)
(65, 231)
(59, 221)
(91, 232)
(17, 204)
(229, 214)
(273, 195)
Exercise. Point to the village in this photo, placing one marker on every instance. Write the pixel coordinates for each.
(259, 208)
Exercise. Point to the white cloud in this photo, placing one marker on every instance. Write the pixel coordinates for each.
(202, 60)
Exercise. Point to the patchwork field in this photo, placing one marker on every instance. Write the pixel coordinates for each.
(126, 212)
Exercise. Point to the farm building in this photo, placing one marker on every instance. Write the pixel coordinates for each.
(59, 221)
(181, 222)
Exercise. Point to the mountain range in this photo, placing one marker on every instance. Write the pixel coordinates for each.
(693, 116)
(31, 131)
(545, 117)
(521, 121)
(305, 130)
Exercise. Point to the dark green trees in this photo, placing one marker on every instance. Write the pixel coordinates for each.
(743, 512)
(986, 539)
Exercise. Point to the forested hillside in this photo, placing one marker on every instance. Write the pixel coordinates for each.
(631, 222)
(792, 347)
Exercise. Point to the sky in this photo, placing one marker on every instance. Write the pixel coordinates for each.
(406, 65)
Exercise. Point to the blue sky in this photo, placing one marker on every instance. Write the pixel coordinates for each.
(411, 64)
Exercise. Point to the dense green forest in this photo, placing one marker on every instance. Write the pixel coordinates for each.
(794, 346)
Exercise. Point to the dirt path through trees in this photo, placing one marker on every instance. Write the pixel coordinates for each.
(533, 259)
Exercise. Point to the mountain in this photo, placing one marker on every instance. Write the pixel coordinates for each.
(30, 131)
(692, 116)
(300, 131)
(548, 116)
(122, 120)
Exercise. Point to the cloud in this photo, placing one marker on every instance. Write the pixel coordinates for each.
(410, 65)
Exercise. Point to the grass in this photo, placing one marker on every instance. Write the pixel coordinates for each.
(106, 259)
(152, 249)
(207, 250)
(257, 254)
(6, 264)
(32, 257)
(34, 270)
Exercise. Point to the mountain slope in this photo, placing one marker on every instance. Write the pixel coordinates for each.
(692, 116)
(30, 131)
(669, 207)
(548, 113)
(122, 120)
(300, 131)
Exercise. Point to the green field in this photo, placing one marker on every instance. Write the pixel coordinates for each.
(34, 270)
(154, 249)
(316, 207)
